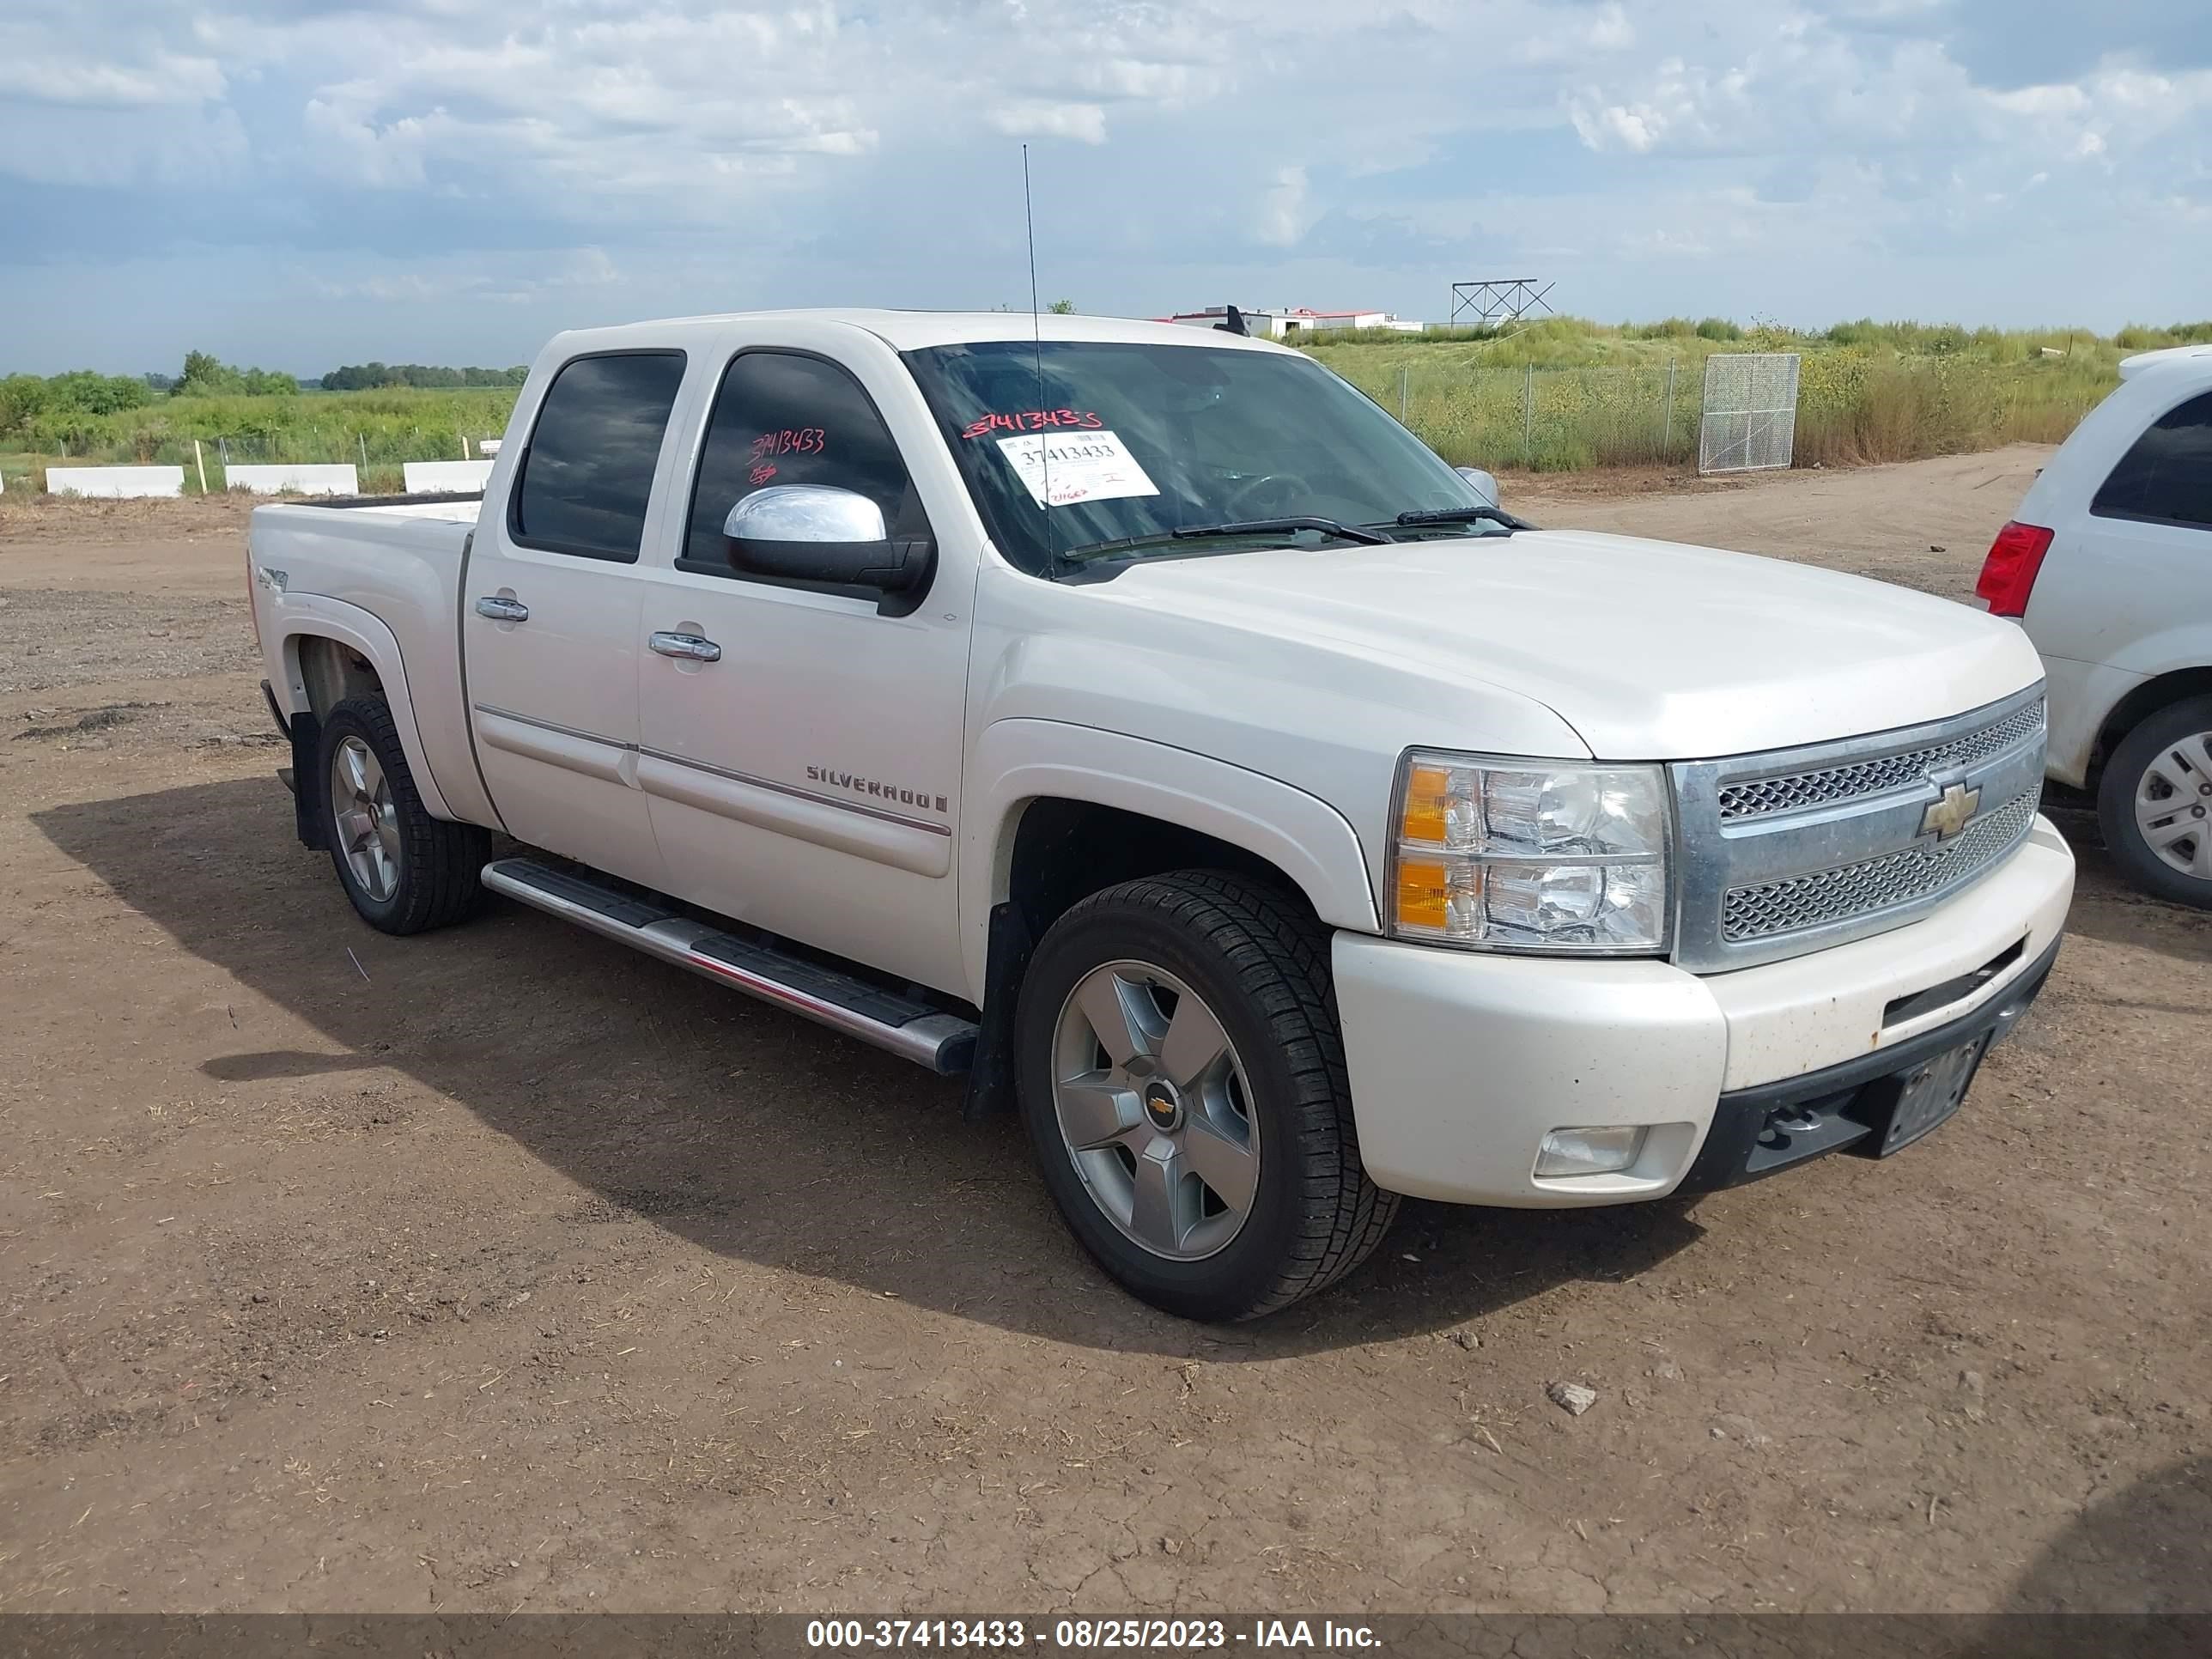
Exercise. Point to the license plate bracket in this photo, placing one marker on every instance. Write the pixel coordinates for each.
(1922, 1098)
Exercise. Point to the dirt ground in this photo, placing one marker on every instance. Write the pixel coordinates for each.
(501, 1268)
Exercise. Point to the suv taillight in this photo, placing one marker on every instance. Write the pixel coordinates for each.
(2008, 573)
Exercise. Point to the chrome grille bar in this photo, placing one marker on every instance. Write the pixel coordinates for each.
(1757, 796)
(1795, 850)
(1875, 885)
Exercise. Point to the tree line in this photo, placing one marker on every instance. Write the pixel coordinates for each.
(368, 377)
(24, 398)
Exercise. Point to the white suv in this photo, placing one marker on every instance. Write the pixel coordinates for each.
(2109, 568)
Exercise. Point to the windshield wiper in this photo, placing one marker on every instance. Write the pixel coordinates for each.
(1279, 527)
(1238, 528)
(1463, 515)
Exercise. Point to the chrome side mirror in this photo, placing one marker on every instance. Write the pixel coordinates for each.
(810, 514)
(1485, 485)
(822, 535)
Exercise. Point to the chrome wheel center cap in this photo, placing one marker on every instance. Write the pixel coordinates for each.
(1163, 1106)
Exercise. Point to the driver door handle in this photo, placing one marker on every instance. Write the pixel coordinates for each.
(500, 608)
(688, 647)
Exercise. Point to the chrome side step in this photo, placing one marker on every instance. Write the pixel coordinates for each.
(913, 1030)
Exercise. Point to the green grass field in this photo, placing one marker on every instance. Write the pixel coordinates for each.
(1566, 394)
(375, 430)
(1561, 395)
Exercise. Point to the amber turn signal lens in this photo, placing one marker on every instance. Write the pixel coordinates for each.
(1425, 819)
(1422, 893)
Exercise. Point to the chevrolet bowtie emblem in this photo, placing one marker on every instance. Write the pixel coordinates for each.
(1946, 818)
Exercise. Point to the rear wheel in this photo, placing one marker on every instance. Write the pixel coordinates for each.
(406, 870)
(2155, 803)
(1182, 1082)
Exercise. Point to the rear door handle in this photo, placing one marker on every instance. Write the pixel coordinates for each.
(500, 608)
(688, 647)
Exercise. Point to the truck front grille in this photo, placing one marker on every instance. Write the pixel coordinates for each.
(1758, 796)
(1799, 849)
(1874, 885)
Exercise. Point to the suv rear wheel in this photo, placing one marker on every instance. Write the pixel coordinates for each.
(1182, 1082)
(2155, 803)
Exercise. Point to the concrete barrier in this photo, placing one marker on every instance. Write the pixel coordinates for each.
(427, 478)
(115, 480)
(297, 480)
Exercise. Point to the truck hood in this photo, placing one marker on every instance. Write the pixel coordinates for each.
(1650, 650)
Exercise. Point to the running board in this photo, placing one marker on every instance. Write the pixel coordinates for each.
(913, 1030)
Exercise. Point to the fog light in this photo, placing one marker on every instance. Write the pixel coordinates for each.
(1606, 1150)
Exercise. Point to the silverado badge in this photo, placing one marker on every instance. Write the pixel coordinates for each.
(1946, 818)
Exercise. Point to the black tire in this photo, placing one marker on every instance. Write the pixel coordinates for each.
(1260, 961)
(2116, 801)
(438, 861)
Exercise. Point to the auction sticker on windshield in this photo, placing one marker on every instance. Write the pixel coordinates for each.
(1063, 468)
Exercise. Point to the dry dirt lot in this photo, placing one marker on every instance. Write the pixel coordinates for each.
(500, 1268)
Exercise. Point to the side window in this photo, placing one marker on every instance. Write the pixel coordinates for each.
(588, 473)
(781, 418)
(2168, 476)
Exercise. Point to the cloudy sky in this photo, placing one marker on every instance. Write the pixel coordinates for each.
(297, 183)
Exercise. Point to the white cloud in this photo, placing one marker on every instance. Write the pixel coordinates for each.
(59, 78)
(1034, 117)
(730, 153)
(1284, 211)
(512, 279)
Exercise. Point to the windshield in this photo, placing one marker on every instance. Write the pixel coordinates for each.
(1130, 444)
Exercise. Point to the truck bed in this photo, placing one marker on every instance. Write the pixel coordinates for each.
(459, 507)
(386, 577)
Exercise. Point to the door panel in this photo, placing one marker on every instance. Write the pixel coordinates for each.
(905, 843)
(550, 615)
(808, 780)
(555, 702)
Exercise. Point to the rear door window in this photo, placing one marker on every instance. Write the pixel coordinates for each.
(2167, 478)
(588, 476)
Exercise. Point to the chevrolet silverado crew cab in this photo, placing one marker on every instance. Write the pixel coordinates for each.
(1142, 721)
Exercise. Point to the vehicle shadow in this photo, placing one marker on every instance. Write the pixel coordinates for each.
(2132, 1574)
(2145, 1548)
(744, 1129)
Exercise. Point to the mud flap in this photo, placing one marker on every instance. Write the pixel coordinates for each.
(307, 771)
(991, 1075)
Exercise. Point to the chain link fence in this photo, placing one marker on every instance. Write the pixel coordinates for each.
(1750, 419)
(1547, 420)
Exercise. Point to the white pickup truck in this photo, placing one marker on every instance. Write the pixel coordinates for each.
(1142, 721)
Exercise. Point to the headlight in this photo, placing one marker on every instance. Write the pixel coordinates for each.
(1530, 856)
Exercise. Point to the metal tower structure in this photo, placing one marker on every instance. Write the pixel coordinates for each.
(1500, 300)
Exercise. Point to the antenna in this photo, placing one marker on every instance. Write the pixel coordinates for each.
(1036, 345)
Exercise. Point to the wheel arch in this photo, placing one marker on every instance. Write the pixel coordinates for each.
(334, 650)
(2140, 704)
(1046, 781)
(1068, 811)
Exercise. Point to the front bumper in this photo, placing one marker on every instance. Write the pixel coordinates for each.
(1763, 1131)
(1461, 1062)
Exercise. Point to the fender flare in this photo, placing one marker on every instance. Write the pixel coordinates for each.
(1016, 761)
(314, 616)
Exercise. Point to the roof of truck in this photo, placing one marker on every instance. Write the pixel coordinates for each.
(908, 330)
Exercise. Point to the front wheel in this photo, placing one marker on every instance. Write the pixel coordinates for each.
(1182, 1082)
(404, 869)
(2155, 803)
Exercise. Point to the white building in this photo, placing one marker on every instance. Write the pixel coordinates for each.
(1285, 321)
